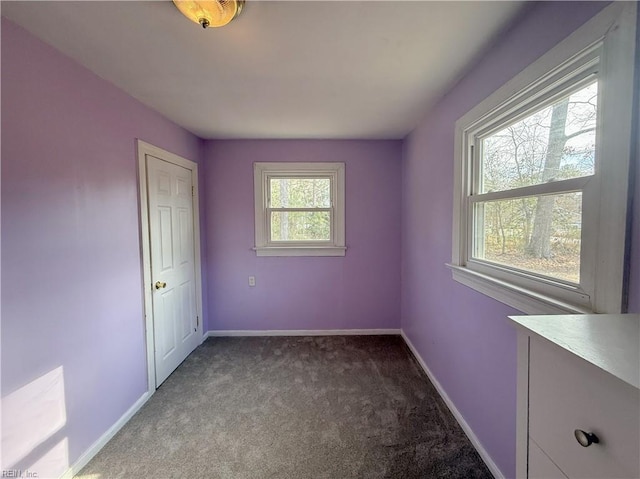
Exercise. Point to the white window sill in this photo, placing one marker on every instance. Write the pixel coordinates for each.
(300, 250)
(527, 301)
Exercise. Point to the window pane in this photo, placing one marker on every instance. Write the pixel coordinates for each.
(300, 226)
(300, 192)
(537, 234)
(555, 143)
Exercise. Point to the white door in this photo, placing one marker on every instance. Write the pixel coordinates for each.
(173, 271)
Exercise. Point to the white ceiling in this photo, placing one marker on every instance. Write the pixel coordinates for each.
(283, 69)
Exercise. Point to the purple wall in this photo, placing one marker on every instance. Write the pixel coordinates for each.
(358, 291)
(71, 261)
(464, 336)
(72, 288)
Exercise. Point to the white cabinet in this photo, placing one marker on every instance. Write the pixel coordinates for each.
(578, 372)
(540, 466)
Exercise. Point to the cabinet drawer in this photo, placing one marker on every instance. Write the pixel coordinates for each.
(540, 466)
(567, 393)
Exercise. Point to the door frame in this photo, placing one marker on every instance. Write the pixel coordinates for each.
(145, 149)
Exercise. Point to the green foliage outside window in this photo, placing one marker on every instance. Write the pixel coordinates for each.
(313, 196)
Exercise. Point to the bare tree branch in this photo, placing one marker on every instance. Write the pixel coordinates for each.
(578, 133)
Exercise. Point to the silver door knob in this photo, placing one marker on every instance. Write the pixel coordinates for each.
(585, 438)
(160, 285)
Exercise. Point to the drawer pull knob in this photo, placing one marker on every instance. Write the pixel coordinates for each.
(585, 438)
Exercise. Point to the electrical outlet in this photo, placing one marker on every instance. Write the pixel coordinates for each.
(252, 281)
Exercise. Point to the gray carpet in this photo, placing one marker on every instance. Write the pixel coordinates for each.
(293, 407)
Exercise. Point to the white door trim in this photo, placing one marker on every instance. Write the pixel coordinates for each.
(143, 150)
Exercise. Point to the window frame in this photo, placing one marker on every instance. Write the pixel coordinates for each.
(263, 173)
(605, 44)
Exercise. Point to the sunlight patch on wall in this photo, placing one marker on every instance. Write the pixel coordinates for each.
(54, 462)
(30, 416)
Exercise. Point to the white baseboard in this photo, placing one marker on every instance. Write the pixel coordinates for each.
(89, 454)
(302, 332)
(495, 470)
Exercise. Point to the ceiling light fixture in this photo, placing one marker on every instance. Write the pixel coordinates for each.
(216, 13)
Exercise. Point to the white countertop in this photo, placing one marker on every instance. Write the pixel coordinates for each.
(608, 341)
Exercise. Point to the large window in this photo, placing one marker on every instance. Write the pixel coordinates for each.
(299, 209)
(532, 173)
(542, 173)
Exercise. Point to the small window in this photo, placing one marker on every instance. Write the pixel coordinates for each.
(299, 209)
(542, 174)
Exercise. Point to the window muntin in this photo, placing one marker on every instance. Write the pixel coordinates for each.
(299, 209)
